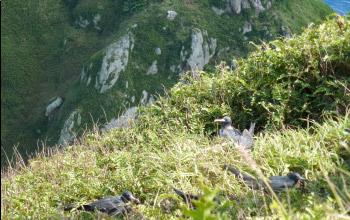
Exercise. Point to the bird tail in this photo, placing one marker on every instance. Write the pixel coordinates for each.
(82, 207)
(244, 176)
(180, 193)
(252, 127)
(69, 207)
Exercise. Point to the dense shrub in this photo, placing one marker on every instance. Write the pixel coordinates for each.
(282, 83)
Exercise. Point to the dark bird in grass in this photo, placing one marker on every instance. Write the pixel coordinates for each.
(187, 198)
(112, 205)
(244, 139)
(277, 183)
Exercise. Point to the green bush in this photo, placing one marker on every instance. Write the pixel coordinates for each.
(281, 84)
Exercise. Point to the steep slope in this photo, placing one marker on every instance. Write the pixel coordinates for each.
(106, 57)
(169, 146)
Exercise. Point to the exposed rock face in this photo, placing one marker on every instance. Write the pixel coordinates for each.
(203, 49)
(257, 5)
(67, 133)
(122, 121)
(114, 62)
(247, 27)
(96, 20)
(153, 69)
(56, 103)
(236, 6)
(171, 15)
(217, 11)
(158, 51)
(81, 22)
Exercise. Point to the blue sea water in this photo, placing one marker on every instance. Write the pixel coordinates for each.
(340, 6)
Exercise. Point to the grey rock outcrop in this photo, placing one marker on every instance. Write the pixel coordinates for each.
(236, 6)
(153, 69)
(171, 15)
(247, 27)
(158, 51)
(68, 134)
(203, 49)
(114, 62)
(257, 5)
(54, 104)
(217, 11)
(122, 121)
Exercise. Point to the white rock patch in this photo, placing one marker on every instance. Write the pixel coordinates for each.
(257, 5)
(202, 51)
(114, 62)
(171, 15)
(153, 69)
(144, 97)
(96, 20)
(158, 51)
(81, 22)
(217, 11)
(247, 27)
(67, 134)
(122, 121)
(56, 103)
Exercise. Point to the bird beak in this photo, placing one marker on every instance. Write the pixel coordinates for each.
(219, 120)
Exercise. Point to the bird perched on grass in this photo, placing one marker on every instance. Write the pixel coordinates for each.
(277, 183)
(112, 205)
(244, 139)
(187, 198)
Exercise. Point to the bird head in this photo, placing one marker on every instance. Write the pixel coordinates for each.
(127, 196)
(224, 121)
(296, 177)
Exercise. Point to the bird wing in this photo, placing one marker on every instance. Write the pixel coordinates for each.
(231, 133)
(279, 183)
(246, 139)
(107, 204)
(252, 127)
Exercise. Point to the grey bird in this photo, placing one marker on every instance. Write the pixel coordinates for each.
(112, 205)
(187, 198)
(244, 139)
(277, 183)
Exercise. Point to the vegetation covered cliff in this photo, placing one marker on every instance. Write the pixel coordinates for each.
(297, 90)
(70, 64)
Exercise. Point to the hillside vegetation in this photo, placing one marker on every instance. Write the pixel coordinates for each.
(297, 90)
(46, 50)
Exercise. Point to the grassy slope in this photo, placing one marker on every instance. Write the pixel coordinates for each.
(169, 146)
(38, 65)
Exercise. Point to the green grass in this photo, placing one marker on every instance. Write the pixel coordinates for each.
(171, 143)
(150, 164)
